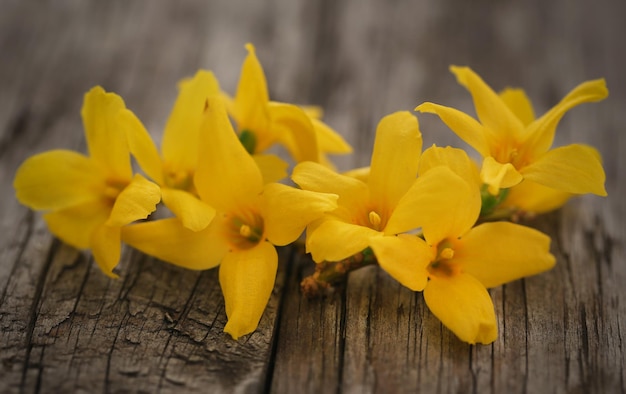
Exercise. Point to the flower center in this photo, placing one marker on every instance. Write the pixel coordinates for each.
(511, 152)
(443, 265)
(245, 231)
(112, 189)
(178, 179)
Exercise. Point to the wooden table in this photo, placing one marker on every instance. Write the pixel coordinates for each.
(66, 327)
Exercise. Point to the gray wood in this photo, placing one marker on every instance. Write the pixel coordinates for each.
(65, 327)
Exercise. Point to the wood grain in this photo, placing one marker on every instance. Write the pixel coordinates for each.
(65, 327)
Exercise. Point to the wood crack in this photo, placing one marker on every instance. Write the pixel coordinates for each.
(34, 311)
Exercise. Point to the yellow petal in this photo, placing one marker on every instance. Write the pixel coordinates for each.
(540, 133)
(287, 211)
(352, 192)
(141, 146)
(333, 240)
(137, 201)
(328, 140)
(251, 100)
(499, 176)
(247, 280)
(439, 202)
(106, 138)
(464, 306)
(361, 173)
(227, 176)
(463, 125)
(519, 104)
(170, 241)
(76, 224)
(405, 258)
(193, 213)
(529, 196)
(492, 111)
(395, 159)
(272, 167)
(106, 247)
(57, 179)
(294, 129)
(455, 159)
(180, 139)
(574, 168)
(501, 252)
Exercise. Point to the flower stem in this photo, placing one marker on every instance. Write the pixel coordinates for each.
(331, 273)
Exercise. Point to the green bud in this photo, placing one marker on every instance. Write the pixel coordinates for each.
(248, 140)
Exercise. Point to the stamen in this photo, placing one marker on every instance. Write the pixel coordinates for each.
(447, 253)
(245, 231)
(374, 219)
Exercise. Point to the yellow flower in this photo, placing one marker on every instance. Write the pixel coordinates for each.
(515, 147)
(175, 167)
(251, 218)
(262, 123)
(456, 263)
(87, 199)
(392, 201)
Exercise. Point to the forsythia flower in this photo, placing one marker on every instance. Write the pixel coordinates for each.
(262, 123)
(174, 169)
(251, 218)
(455, 263)
(516, 147)
(88, 199)
(392, 201)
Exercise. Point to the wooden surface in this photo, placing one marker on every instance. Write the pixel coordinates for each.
(65, 327)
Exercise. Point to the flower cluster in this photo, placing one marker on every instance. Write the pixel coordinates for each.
(436, 221)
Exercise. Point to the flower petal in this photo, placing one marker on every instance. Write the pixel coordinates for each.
(169, 240)
(250, 104)
(287, 211)
(501, 252)
(328, 140)
(492, 111)
(519, 104)
(294, 129)
(463, 305)
(272, 167)
(184, 125)
(499, 176)
(76, 224)
(247, 279)
(463, 125)
(193, 213)
(455, 159)
(439, 202)
(227, 177)
(58, 179)
(106, 138)
(574, 168)
(329, 239)
(141, 146)
(529, 196)
(106, 248)
(395, 160)
(405, 258)
(137, 201)
(318, 178)
(540, 133)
